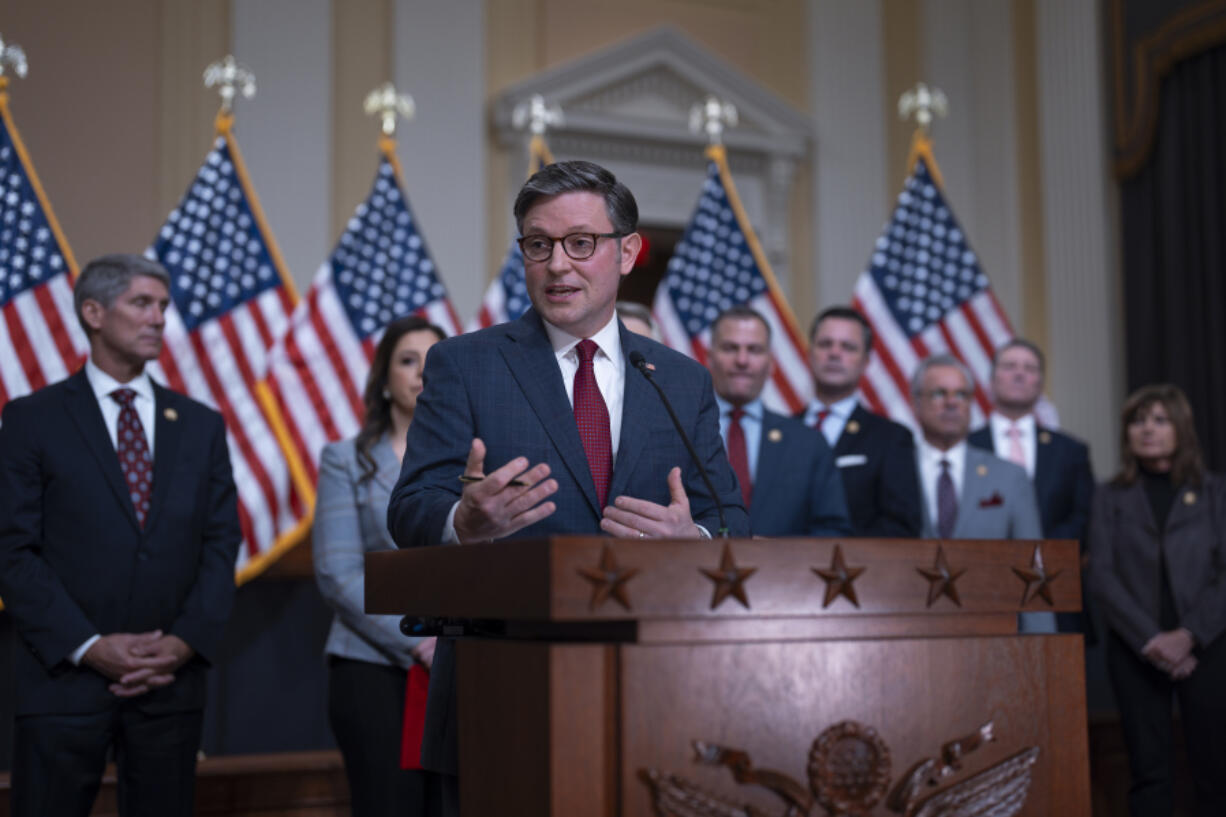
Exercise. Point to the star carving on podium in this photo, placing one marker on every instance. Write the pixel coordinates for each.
(729, 579)
(608, 580)
(941, 580)
(1038, 580)
(839, 579)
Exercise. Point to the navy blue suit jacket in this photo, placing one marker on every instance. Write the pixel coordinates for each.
(503, 385)
(74, 561)
(876, 459)
(796, 490)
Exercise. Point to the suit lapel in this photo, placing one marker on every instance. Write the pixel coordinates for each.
(387, 473)
(531, 361)
(637, 394)
(167, 434)
(972, 484)
(847, 439)
(769, 456)
(83, 409)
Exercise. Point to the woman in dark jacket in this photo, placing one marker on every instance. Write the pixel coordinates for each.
(1158, 572)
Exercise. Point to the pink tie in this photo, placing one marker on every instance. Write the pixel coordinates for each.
(592, 417)
(1016, 454)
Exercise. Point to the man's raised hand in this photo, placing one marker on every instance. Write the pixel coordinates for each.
(493, 507)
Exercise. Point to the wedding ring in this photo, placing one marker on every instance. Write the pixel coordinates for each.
(642, 535)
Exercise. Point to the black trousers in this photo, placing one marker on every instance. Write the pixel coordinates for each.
(58, 762)
(366, 713)
(1145, 696)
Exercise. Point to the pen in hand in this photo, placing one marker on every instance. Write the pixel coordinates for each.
(468, 479)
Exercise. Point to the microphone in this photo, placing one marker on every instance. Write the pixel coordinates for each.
(639, 362)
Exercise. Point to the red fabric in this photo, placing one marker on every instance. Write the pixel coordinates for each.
(738, 455)
(821, 418)
(592, 417)
(134, 458)
(415, 689)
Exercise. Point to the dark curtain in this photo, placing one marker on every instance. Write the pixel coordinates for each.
(1174, 248)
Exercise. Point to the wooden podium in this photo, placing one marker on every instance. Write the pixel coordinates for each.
(757, 676)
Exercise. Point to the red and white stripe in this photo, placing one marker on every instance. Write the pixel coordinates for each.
(41, 341)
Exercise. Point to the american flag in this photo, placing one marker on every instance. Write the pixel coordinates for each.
(379, 271)
(925, 293)
(717, 264)
(40, 339)
(506, 298)
(230, 298)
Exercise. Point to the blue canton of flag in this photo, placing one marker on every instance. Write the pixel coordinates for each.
(40, 339)
(922, 263)
(212, 247)
(381, 266)
(712, 267)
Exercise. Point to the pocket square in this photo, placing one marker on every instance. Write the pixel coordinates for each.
(994, 501)
(848, 460)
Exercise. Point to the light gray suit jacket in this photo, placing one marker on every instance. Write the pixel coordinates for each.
(997, 501)
(351, 521)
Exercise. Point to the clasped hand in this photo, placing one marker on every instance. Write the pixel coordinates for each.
(1171, 652)
(514, 497)
(137, 662)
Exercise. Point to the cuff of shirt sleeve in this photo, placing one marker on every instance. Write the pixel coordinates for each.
(702, 532)
(449, 534)
(80, 651)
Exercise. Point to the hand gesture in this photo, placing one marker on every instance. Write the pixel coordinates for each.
(1167, 650)
(494, 507)
(630, 517)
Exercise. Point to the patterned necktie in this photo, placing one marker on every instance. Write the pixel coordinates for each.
(592, 417)
(1016, 454)
(738, 455)
(821, 418)
(947, 502)
(133, 450)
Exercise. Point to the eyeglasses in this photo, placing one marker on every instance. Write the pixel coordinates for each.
(579, 246)
(941, 395)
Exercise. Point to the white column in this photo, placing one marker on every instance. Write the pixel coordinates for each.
(850, 149)
(438, 58)
(1085, 357)
(285, 132)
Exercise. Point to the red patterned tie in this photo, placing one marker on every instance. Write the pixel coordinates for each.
(133, 449)
(738, 455)
(592, 417)
(821, 418)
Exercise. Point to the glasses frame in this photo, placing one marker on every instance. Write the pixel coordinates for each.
(553, 242)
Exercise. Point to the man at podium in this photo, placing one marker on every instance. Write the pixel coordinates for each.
(548, 424)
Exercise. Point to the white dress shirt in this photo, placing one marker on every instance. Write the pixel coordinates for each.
(930, 470)
(1000, 426)
(836, 420)
(103, 384)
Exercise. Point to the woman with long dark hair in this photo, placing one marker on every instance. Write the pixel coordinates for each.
(1158, 572)
(368, 657)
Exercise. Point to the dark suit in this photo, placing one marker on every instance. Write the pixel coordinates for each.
(876, 459)
(1126, 553)
(1063, 487)
(503, 385)
(75, 562)
(797, 490)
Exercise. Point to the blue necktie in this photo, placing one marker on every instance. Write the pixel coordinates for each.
(947, 503)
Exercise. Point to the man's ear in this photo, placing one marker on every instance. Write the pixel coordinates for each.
(631, 245)
(92, 313)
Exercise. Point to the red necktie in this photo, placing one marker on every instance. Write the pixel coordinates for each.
(592, 417)
(821, 418)
(133, 450)
(738, 455)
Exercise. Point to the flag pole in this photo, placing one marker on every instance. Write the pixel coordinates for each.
(923, 104)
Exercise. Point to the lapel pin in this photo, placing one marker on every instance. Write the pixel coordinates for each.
(852, 427)
(170, 414)
(982, 470)
(1045, 437)
(774, 435)
(1189, 498)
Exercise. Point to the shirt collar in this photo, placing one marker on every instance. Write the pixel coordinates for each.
(841, 408)
(932, 455)
(1001, 425)
(608, 339)
(103, 384)
(753, 409)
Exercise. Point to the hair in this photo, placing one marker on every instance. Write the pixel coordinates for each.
(917, 378)
(378, 418)
(107, 277)
(740, 312)
(580, 177)
(1021, 343)
(634, 309)
(847, 314)
(1187, 464)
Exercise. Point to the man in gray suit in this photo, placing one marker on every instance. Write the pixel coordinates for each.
(967, 493)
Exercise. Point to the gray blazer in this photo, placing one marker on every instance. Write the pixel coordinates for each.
(997, 501)
(1124, 550)
(350, 521)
